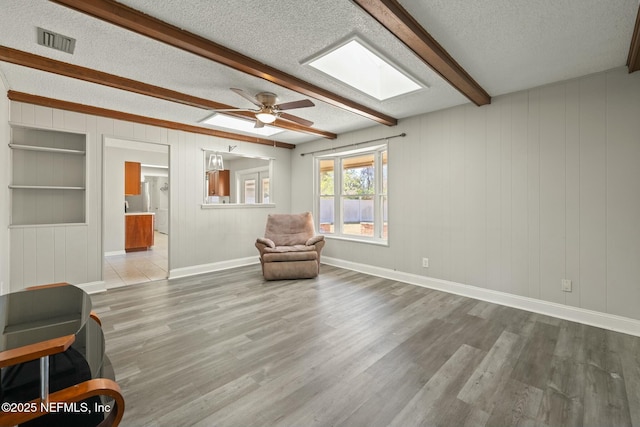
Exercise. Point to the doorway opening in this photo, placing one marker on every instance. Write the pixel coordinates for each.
(135, 211)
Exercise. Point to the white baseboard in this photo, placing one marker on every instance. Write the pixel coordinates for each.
(93, 287)
(576, 314)
(115, 253)
(214, 266)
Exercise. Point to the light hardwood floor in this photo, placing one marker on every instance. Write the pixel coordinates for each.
(348, 349)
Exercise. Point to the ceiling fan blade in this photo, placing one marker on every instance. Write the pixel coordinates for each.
(246, 96)
(234, 109)
(258, 124)
(296, 119)
(295, 104)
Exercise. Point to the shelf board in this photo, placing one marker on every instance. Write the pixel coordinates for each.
(46, 149)
(44, 187)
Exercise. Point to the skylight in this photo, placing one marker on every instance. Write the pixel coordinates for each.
(235, 123)
(358, 66)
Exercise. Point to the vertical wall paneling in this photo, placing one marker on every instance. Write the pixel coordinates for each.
(173, 139)
(58, 119)
(76, 254)
(93, 169)
(74, 121)
(59, 255)
(533, 193)
(16, 258)
(45, 263)
(15, 112)
(506, 210)
(623, 196)
(493, 198)
(29, 260)
(541, 185)
(5, 156)
(552, 192)
(197, 236)
(432, 203)
(457, 193)
(27, 114)
(414, 229)
(572, 191)
(124, 129)
(43, 117)
(519, 194)
(593, 197)
(475, 167)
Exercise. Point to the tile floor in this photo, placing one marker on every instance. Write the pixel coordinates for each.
(138, 267)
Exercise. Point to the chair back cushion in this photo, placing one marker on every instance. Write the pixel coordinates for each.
(289, 229)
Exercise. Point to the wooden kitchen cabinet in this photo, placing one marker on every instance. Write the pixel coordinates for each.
(219, 183)
(138, 235)
(132, 175)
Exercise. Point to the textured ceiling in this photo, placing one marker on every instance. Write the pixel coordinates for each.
(505, 45)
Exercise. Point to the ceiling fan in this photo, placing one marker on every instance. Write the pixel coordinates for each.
(269, 110)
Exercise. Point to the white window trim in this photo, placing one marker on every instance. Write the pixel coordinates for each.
(338, 197)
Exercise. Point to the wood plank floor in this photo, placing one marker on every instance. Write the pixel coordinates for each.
(348, 349)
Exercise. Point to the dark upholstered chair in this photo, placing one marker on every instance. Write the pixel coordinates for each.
(290, 249)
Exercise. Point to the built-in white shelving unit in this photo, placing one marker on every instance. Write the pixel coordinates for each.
(48, 177)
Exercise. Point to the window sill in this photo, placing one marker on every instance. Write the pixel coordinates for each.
(370, 241)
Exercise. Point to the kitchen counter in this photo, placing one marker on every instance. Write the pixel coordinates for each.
(139, 213)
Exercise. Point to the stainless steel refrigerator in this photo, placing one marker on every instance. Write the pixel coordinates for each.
(141, 203)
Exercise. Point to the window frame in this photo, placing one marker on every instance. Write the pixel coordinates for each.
(379, 195)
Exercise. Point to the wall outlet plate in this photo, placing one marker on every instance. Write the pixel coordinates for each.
(425, 262)
(566, 285)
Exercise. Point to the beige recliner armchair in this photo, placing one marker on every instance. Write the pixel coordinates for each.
(290, 249)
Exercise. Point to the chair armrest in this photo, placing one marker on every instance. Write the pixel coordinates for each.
(267, 242)
(314, 240)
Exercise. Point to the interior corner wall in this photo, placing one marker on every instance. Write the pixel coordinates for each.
(197, 237)
(4, 188)
(538, 186)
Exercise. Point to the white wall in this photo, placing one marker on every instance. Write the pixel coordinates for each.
(539, 186)
(199, 239)
(4, 188)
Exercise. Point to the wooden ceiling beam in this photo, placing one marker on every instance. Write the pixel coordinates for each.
(42, 63)
(633, 60)
(401, 24)
(119, 115)
(133, 20)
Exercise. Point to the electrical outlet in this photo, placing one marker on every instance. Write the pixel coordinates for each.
(425, 262)
(566, 285)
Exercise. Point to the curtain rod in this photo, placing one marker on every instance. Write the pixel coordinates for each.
(356, 144)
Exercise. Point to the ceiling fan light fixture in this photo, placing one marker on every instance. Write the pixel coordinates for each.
(266, 117)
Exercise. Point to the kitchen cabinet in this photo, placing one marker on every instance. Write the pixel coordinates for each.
(47, 177)
(132, 175)
(138, 231)
(219, 183)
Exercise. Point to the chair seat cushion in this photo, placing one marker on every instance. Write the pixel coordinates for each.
(304, 255)
(292, 248)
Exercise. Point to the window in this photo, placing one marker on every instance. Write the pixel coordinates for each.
(254, 186)
(353, 203)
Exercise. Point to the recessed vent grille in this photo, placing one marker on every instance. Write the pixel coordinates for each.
(56, 41)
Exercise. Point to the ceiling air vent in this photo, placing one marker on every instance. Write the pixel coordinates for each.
(56, 41)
